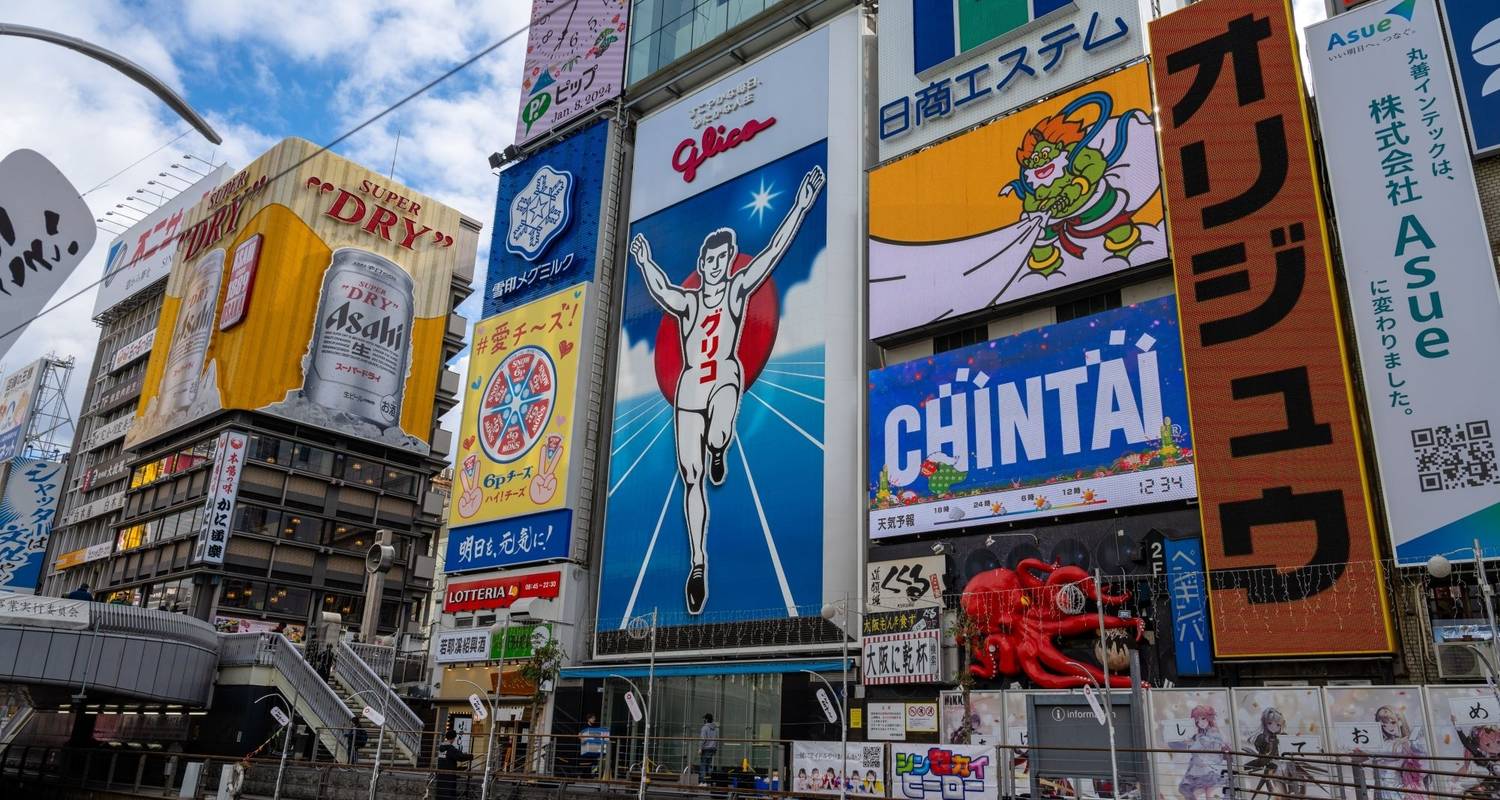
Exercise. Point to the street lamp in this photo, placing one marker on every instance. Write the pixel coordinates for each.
(830, 612)
(286, 739)
(489, 744)
(639, 628)
(645, 739)
(385, 702)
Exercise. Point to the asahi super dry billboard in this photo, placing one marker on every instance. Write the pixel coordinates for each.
(309, 288)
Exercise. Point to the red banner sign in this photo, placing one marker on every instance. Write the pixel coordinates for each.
(1287, 526)
(500, 592)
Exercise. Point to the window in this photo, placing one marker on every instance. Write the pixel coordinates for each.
(957, 339)
(269, 449)
(173, 595)
(239, 593)
(360, 472)
(399, 481)
(347, 605)
(312, 459)
(302, 528)
(257, 519)
(130, 538)
(1084, 306)
(292, 600)
(352, 537)
(662, 31)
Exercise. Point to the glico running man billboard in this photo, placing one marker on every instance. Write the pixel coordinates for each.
(1081, 416)
(309, 288)
(1063, 192)
(547, 219)
(737, 349)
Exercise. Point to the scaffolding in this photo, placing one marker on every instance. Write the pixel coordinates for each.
(49, 432)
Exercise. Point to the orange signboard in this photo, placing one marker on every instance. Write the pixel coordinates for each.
(1287, 526)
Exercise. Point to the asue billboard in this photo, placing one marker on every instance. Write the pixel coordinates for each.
(737, 346)
(947, 65)
(1080, 416)
(547, 219)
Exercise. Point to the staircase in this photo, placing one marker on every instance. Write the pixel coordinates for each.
(391, 752)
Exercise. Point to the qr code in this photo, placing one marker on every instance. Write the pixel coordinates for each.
(1455, 456)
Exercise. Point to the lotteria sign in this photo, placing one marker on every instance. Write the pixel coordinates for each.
(1082, 416)
(500, 592)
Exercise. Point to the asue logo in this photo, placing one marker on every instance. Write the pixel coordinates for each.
(1485, 50)
(1402, 9)
(945, 29)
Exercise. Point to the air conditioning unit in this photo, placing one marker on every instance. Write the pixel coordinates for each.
(1458, 661)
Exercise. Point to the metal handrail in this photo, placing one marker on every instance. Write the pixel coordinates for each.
(275, 651)
(115, 618)
(379, 658)
(357, 675)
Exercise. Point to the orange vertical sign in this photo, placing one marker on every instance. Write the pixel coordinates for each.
(1286, 517)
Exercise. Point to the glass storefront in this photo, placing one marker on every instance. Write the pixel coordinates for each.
(747, 708)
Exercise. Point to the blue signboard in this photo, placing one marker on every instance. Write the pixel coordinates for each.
(1190, 628)
(1081, 416)
(1474, 41)
(27, 509)
(510, 542)
(547, 220)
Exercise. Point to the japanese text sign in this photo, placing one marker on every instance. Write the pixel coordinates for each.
(1282, 494)
(905, 583)
(818, 766)
(18, 396)
(142, 255)
(1071, 418)
(1187, 587)
(547, 219)
(500, 592)
(1474, 39)
(52, 612)
(575, 60)
(517, 432)
(45, 230)
(27, 511)
(944, 772)
(901, 657)
(1426, 307)
(510, 542)
(946, 66)
(218, 507)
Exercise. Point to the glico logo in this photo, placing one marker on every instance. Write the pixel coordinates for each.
(717, 139)
(1403, 9)
(943, 30)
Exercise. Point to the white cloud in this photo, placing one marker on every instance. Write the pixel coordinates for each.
(803, 311)
(637, 371)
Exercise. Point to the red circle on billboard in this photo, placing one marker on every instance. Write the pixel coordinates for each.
(757, 334)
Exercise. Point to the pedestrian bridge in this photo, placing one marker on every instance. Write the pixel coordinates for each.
(113, 652)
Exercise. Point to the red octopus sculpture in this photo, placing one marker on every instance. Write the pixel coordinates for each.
(1020, 616)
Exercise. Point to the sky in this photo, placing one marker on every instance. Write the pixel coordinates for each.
(258, 72)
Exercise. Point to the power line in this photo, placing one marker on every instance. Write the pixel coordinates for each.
(323, 149)
(137, 163)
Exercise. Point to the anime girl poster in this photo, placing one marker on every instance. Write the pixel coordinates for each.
(984, 722)
(1466, 740)
(1383, 729)
(1278, 739)
(1197, 725)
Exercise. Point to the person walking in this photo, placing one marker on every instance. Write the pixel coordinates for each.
(708, 747)
(450, 757)
(81, 593)
(593, 740)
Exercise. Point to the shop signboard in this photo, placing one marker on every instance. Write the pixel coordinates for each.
(1417, 260)
(463, 645)
(1474, 43)
(516, 478)
(1188, 588)
(142, 255)
(944, 772)
(1065, 191)
(738, 337)
(819, 768)
(83, 555)
(874, 623)
(27, 509)
(904, 584)
(575, 62)
(351, 301)
(946, 66)
(48, 229)
(132, 350)
(912, 657)
(548, 215)
(1287, 527)
(502, 592)
(1071, 418)
(218, 506)
(18, 397)
(51, 612)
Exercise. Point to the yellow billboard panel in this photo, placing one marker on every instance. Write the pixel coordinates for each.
(310, 288)
(516, 439)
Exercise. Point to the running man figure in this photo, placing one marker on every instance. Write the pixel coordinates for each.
(710, 318)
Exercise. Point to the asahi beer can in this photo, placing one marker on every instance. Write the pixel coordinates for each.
(190, 334)
(361, 347)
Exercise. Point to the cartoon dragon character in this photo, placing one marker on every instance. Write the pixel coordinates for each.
(1065, 185)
